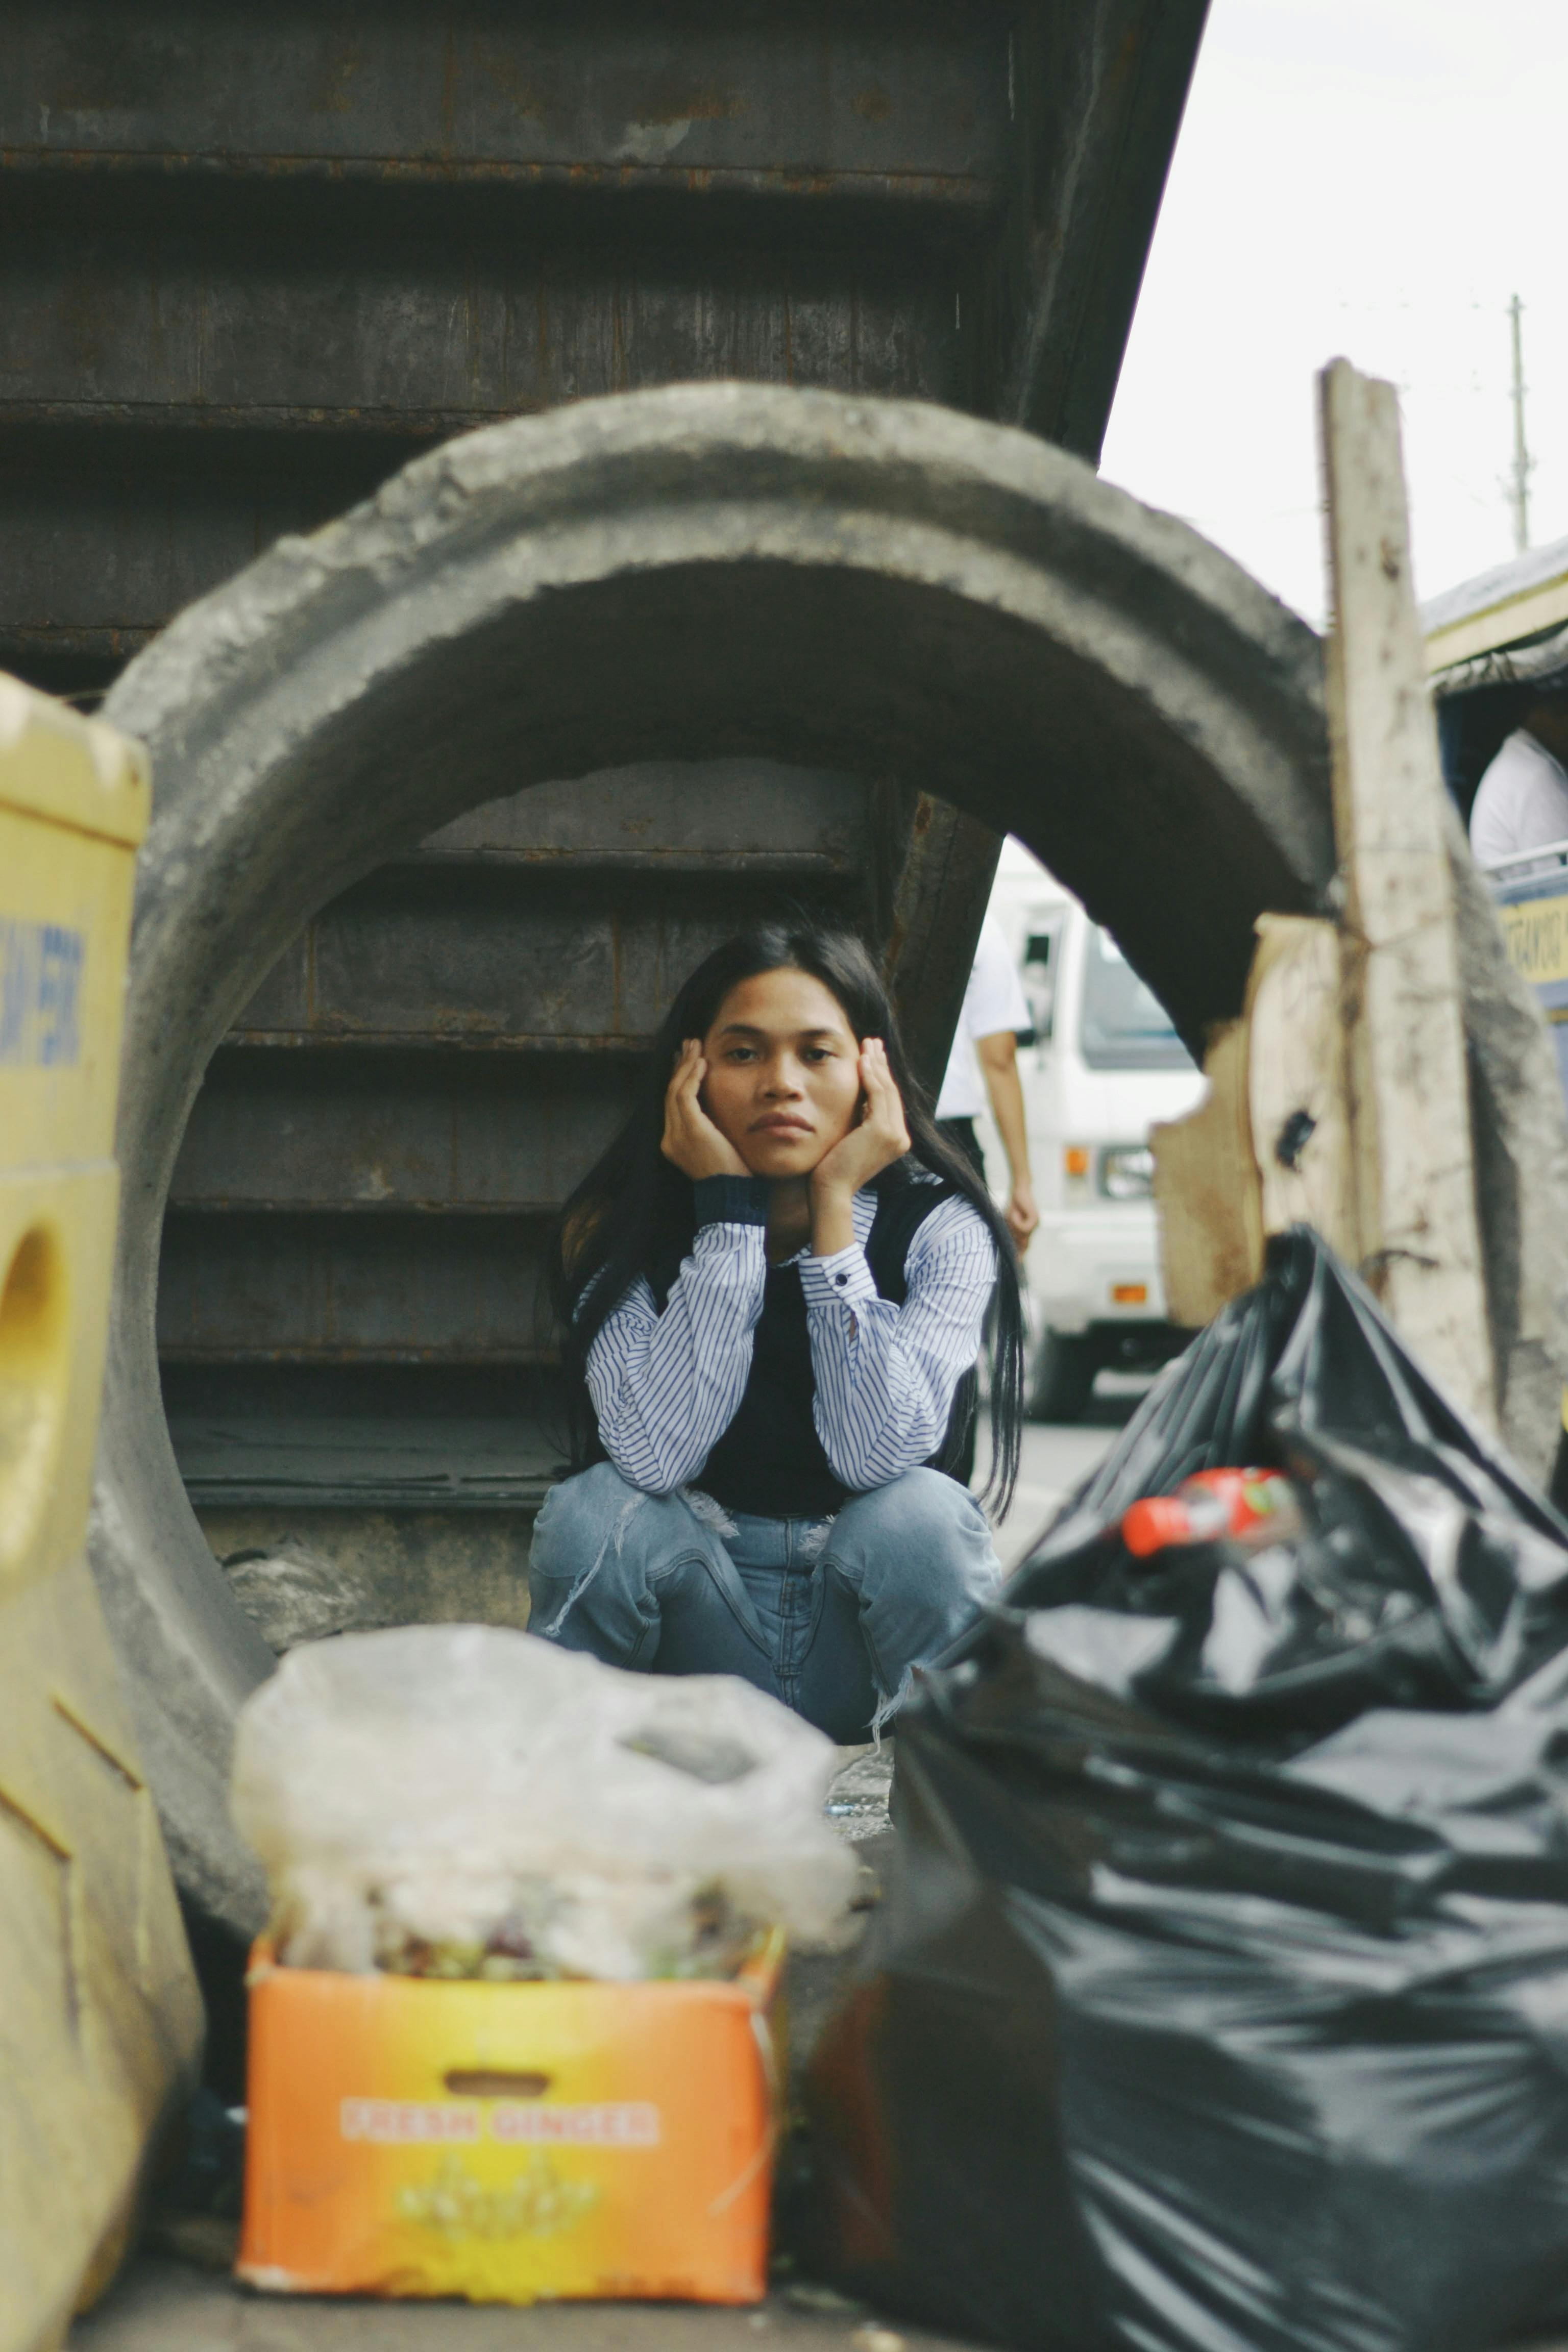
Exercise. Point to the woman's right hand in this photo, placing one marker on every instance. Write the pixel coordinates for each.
(690, 1138)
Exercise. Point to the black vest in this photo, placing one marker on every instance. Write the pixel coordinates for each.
(770, 1461)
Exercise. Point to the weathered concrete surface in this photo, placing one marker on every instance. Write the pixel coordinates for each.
(301, 1575)
(874, 588)
(165, 2306)
(161, 2306)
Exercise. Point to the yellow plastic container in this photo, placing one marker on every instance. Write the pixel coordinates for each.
(100, 2016)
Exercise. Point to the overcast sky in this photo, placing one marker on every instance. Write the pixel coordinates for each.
(1375, 178)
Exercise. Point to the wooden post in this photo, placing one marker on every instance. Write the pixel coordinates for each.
(1409, 1096)
(1270, 1145)
(1207, 1193)
(1296, 1081)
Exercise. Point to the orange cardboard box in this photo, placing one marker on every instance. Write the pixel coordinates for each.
(508, 2142)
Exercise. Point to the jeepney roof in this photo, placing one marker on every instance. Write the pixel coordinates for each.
(1519, 607)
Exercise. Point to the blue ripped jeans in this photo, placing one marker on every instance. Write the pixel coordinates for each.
(827, 1615)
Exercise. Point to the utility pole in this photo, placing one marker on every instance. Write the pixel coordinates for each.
(1518, 491)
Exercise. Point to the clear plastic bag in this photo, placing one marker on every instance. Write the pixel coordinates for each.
(466, 1800)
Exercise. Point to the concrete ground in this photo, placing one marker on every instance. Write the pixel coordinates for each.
(1057, 1455)
(163, 2305)
(177, 2296)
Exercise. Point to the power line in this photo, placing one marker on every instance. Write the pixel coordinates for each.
(1524, 463)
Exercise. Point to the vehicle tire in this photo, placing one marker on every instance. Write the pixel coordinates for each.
(1063, 1380)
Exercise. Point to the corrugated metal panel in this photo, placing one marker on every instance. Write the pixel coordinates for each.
(250, 1287)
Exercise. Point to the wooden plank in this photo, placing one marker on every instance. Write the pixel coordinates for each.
(1270, 1145)
(1206, 1188)
(1298, 1106)
(1414, 1176)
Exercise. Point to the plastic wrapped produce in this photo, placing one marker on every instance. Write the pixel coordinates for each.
(463, 1801)
(1221, 1995)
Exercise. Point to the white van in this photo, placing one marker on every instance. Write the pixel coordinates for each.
(1104, 1065)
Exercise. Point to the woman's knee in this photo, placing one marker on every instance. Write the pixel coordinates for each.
(921, 1502)
(922, 1526)
(600, 1546)
(597, 1528)
(579, 1513)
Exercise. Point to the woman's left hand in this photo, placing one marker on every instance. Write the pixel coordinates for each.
(881, 1136)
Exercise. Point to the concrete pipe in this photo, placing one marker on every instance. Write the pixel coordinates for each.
(877, 587)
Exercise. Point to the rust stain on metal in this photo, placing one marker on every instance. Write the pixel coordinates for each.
(620, 375)
(340, 60)
(1124, 65)
(410, 425)
(448, 87)
(709, 102)
(175, 1351)
(972, 191)
(115, 641)
(501, 67)
(335, 1032)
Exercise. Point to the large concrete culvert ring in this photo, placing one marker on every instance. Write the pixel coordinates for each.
(874, 587)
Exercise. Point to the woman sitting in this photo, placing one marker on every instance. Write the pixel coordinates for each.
(771, 1291)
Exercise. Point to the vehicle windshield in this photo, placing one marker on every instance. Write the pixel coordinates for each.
(1123, 1026)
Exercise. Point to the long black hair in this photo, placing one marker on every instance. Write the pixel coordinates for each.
(635, 1211)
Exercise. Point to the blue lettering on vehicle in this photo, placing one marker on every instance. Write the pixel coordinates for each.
(40, 994)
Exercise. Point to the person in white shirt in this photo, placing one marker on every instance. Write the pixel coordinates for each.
(984, 1063)
(1523, 801)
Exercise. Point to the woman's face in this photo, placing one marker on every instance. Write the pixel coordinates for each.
(784, 1072)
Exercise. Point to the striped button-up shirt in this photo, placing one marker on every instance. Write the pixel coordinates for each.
(665, 1387)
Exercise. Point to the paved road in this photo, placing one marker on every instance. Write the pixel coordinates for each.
(1057, 1455)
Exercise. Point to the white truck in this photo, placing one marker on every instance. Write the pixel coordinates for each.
(1104, 1065)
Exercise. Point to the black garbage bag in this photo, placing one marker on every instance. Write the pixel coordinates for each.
(1220, 1998)
(1430, 1574)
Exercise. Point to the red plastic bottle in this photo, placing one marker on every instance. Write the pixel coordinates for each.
(1247, 1506)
